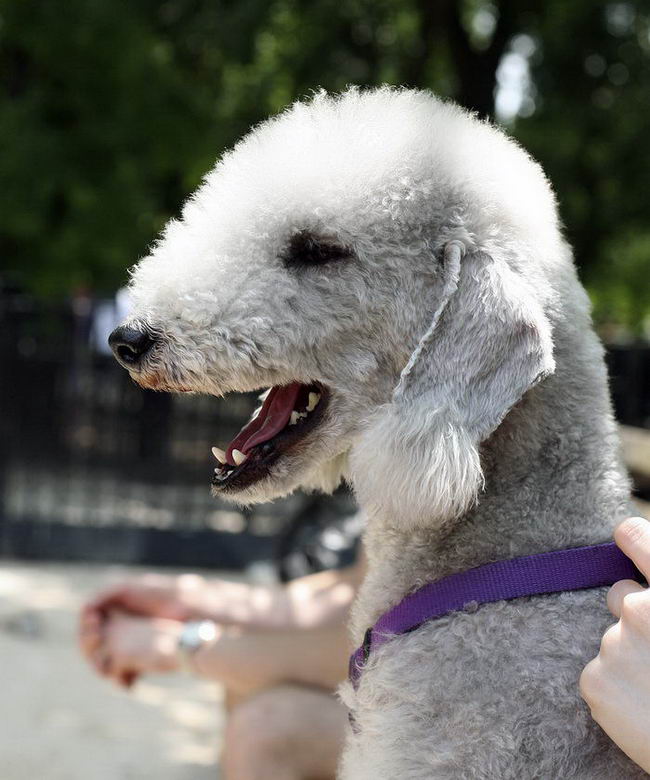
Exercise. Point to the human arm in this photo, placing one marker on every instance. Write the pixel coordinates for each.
(303, 603)
(243, 662)
(314, 600)
(616, 684)
(317, 599)
(246, 663)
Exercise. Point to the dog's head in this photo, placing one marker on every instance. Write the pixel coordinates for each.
(378, 260)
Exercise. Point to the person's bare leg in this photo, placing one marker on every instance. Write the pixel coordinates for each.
(284, 733)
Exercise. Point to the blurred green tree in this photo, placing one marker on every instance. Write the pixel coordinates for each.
(111, 112)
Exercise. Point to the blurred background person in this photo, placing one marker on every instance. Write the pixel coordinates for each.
(280, 652)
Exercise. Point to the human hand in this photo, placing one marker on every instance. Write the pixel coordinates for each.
(616, 684)
(132, 645)
(151, 595)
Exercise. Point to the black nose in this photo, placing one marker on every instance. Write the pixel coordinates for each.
(129, 345)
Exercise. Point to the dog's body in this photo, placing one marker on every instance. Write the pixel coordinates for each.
(466, 401)
(493, 693)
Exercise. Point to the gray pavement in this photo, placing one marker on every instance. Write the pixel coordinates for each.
(58, 721)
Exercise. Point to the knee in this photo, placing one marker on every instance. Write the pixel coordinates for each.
(259, 734)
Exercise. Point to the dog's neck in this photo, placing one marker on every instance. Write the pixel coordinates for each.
(553, 480)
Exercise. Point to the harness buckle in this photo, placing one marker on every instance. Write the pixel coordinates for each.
(365, 645)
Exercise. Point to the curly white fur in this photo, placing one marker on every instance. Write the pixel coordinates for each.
(499, 440)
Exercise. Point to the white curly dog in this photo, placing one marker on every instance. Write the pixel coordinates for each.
(394, 270)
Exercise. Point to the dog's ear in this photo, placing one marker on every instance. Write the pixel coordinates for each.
(489, 343)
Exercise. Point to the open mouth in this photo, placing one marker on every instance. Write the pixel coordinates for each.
(288, 413)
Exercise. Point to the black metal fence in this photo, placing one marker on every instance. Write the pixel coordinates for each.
(629, 372)
(94, 468)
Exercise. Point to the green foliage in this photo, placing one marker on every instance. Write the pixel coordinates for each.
(591, 130)
(621, 288)
(111, 112)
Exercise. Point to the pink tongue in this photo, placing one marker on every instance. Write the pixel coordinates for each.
(273, 416)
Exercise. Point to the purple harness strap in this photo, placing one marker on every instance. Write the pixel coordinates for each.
(530, 575)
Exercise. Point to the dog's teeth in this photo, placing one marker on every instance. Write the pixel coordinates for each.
(314, 398)
(220, 455)
(238, 457)
(294, 418)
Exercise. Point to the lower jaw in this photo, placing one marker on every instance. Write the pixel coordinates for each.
(261, 459)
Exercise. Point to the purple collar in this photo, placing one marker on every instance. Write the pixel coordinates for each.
(531, 575)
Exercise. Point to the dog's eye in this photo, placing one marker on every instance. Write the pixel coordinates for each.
(305, 249)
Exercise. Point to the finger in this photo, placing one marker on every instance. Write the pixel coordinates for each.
(128, 679)
(90, 633)
(112, 596)
(89, 641)
(101, 660)
(615, 628)
(589, 684)
(115, 671)
(618, 592)
(633, 538)
(121, 673)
